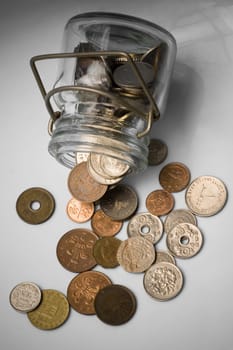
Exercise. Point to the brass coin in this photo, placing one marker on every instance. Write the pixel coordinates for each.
(115, 304)
(74, 250)
(158, 151)
(120, 202)
(25, 297)
(178, 216)
(35, 205)
(105, 251)
(79, 211)
(160, 202)
(174, 177)
(82, 290)
(82, 186)
(103, 225)
(52, 312)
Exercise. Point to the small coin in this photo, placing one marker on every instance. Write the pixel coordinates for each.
(25, 296)
(162, 256)
(35, 205)
(163, 281)
(105, 251)
(96, 172)
(184, 240)
(75, 250)
(160, 202)
(103, 225)
(81, 157)
(82, 290)
(136, 254)
(174, 177)
(120, 202)
(206, 195)
(158, 151)
(79, 211)
(115, 304)
(52, 312)
(178, 216)
(145, 225)
(113, 167)
(82, 186)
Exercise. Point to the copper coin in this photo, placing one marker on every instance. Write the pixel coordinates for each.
(82, 290)
(105, 251)
(115, 304)
(79, 211)
(157, 152)
(82, 186)
(120, 202)
(174, 177)
(160, 202)
(74, 250)
(35, 205)
(103, 225)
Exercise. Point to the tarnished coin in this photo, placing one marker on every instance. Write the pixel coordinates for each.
(113, 167)
(82, 290)
(105, 251)
(103, 225)
(163, 256)
(79, 211)
(120, 202)
(25, 296)
(157, 152)
(82, 186)
(184, 240)
(178, 216)
(174, 177)
(75, 250)
(52, 312)
(160, 202)
(35, 205)
(136, 254)
(206, 195)
(81, 157)
(96, 172)
(163, 281)
(145, 225)
(115, 304)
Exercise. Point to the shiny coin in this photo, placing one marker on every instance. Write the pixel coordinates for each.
(163, 281)
(82, 290)
(52, 312)
(105, 251)
(174, 177)
(145, 225)
(82, 186)
(35, 205)
(184, 240)
(96, 172)
(206, 195)
(115, 304)
(157, 152)
(120, 202)
(25, 297)
(79, 211)
(160, 202)
(178, 216)
(81, 157)
(136, 254)
(162, 256)
(113, 167)
(74, 250)
(103, 225)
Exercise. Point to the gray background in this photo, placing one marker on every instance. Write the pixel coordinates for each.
(197, 128)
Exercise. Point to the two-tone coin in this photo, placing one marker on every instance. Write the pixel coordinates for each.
(174, 177)
(160, 202)
(25, 296)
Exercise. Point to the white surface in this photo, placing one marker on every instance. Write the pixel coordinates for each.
(197, 128)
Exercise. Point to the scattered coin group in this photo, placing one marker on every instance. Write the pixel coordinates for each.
(98, 196)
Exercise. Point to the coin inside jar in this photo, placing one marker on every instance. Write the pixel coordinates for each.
(25, 297)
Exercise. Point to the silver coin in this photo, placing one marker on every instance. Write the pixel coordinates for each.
(25, 296)
(113, 167)
(147, 226)
(178, 216)
(95, 171)
(81, 157)
(163, 256)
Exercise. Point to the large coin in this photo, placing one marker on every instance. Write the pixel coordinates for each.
(82, 290)
(103, 225)
(178, 216)
(136, 254)
(82, 186)
(163, 281)
(25, 297)
(157, 152)
(174, 177)
(105, 251)
(160, 202)
(184, 240)
(52, 312)
(115, 304)
(145, 225)
(206, 195)
(120, 202)
(79, 211)
(74, 250)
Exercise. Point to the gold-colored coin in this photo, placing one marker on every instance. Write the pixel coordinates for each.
(52, 312)
(105, 251)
